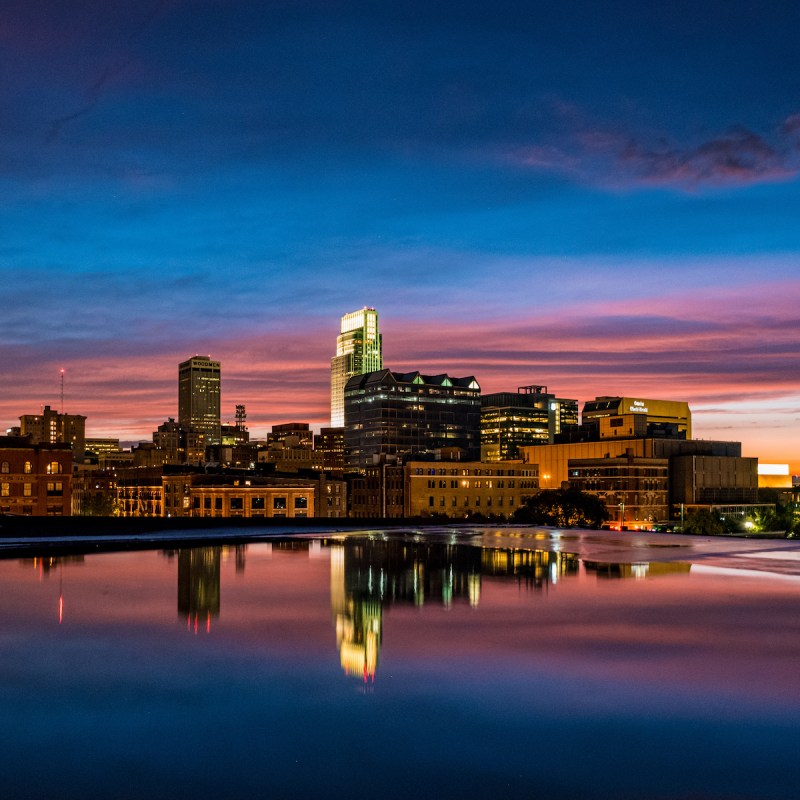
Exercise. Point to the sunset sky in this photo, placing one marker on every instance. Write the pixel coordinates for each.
(599, 197)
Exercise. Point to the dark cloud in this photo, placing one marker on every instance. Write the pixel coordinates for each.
(608, 156)
(740, 157)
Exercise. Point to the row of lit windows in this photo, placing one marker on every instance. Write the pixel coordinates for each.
(257, 503)
(454, 501)
(53, 468)
(27, 489)
(500, 484)
(27, 468)
(476, 472)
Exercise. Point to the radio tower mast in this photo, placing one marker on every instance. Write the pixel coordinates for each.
(62, 391)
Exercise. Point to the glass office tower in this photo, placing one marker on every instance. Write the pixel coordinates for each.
(358, 351)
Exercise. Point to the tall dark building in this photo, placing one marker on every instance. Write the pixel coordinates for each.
(405, 413)
(512, 420)
(199, 396)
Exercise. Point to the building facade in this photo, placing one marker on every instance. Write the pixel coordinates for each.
(512, 420)
(176, 492)
(455, 489)
(635, 490)
(656, 412)
(714, 480)
(403, 414)
(199, 397)
(35, 479)
(52, 427)
(359, 350)
(330, 443)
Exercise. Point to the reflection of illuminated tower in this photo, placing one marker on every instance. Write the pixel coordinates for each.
(370, 574)
(358, 351)
(198, 584)
(358, 623)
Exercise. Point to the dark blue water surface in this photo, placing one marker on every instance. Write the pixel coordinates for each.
(442, 665)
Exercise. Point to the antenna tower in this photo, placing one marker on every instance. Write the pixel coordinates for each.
(62, 391)
(241, 417)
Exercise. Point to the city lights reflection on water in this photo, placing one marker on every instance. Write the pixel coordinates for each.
(473, 665)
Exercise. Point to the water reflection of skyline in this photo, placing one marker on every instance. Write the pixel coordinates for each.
(370, 574)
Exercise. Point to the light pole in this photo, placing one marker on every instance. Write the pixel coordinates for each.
(621, 516)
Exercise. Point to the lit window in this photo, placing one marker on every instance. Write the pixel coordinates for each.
(5, 468)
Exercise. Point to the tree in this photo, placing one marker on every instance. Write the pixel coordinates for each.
(98, 505)
(563, 508)
(702, 522)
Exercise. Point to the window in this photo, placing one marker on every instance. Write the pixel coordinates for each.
(218, 504)
(430, 501)
(207, 503)
(53, 468)
(26, 489)
(431, 484)
(237, 503)
(301, 502)
(28, 468)
(4, 468)
(5, 489)
(260, 503)
(279, 503)
(55, 488)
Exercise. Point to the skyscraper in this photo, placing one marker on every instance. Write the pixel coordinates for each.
(198, 396)
(358, 351)
(404, 414)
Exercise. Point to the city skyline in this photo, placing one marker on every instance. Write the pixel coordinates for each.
(600, 199)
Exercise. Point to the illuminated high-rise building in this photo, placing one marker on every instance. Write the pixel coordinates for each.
(52, 427)
(358, 351)
(403, 414)
(199, 396)
(529, 416)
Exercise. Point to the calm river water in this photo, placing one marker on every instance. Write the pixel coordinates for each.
(477, 664)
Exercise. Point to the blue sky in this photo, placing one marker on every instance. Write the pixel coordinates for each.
(600, 197)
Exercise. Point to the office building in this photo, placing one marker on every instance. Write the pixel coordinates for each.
(199, 397)
(554, 459)
(512, 420)
(330, 442)
(657, 413)
(52, 427)
(437, 489)
(402, 414)
(635, 490)
(358, 351)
